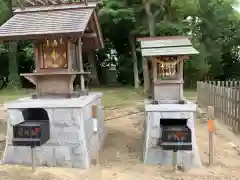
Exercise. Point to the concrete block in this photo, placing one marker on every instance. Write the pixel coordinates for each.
(63, 156)
(64, 117)
(155, 155)
(66, 135)
(71, 132)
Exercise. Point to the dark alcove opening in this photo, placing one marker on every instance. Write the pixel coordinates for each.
(173, 122)
(35, 114)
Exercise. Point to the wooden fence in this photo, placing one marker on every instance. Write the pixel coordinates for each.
(224, 96)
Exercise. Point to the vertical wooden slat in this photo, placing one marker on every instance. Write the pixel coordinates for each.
(70, 54)
(210, 93)
(224, 96)
(238, 108)
(214, 94)
(231, 103)
(181, 78)
(222, 100)
(81, 63)
(198, 92)
(224, 103)
(227, 103)
(235, 107)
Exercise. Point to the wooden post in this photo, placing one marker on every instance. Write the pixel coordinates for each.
(74, 57)
(94, 111)
(238, 107)
(235, 92)
(70, 55)
(211, 130)
(95, 116)
(36, 53)
(81, 63)
(181, 78)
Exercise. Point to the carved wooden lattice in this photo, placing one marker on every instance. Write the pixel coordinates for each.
(54, 54)
(167, 66)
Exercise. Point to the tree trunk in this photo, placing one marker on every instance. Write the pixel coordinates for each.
(94, 75)
(134, 58)
(151, 25)
(167, 6)
(151, 18)
(14, 77)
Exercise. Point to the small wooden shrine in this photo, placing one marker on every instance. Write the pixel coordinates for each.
(169, 129)
(165, 55)
(61, 32)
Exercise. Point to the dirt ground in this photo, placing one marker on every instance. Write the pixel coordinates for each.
(120, 157)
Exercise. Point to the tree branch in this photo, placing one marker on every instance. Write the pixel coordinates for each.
(157, 13)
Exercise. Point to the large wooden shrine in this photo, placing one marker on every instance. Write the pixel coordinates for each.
(61, 33)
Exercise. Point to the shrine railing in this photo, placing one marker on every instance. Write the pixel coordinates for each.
(224, 96)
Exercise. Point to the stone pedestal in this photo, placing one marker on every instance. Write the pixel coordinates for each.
(73, 141)
(152, 154)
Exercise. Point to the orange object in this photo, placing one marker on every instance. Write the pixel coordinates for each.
(211, 127)
(179, 134)
(94, 111)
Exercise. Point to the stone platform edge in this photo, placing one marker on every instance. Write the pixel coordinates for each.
(28, 102)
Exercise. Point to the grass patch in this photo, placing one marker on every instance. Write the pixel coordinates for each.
(120, 95)
(190, 94)
(13, 94)
(113, 96)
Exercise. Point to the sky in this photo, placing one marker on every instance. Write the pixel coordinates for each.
(238, 7)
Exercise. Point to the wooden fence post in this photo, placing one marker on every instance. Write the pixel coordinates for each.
(238, 108)
(199, 93)
(224, 96)
(211, 130)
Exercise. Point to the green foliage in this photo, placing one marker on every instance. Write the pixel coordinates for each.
(3, 11)
(214, 26)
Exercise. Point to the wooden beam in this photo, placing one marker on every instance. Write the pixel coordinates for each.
(89, 35)
(21, 6)
(70, 55)
(62, 1)
(98, 30)
(181, 78)
(81, 63)
(41, 2)
(30, 2)
(52, 2)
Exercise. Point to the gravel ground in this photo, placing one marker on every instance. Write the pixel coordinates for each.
(120, 157)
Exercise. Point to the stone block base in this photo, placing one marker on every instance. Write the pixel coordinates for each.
(73, 141)
(152, 154)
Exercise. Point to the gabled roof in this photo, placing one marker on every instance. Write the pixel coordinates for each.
(166, 46)
(50, 20)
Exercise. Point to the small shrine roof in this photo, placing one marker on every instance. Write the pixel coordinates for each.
(41, 21)
(166, 46)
